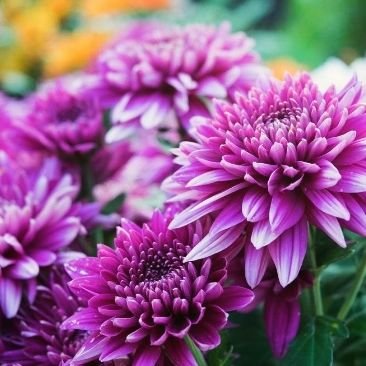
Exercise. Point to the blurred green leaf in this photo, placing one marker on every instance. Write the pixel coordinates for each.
(312, 347)
(114, 205)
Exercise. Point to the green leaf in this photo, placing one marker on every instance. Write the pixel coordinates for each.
(249, 340)
(312, 347)
(114, 205)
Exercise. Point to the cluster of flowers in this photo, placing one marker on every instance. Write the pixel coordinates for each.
(259, 161)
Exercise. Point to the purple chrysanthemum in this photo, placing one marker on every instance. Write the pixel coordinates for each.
(143, 300)
(158, 73)
(60, 121)
(281, 158)
(35, 337)
(37, 219)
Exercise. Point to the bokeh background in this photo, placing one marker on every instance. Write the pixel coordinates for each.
(40, 39)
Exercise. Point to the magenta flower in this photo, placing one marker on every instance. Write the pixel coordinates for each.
(284, 157)
(143, 300)
(155, 74)
(36, 337)
(37, 219)
(60, 121)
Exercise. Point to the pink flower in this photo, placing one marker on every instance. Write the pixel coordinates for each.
(156, 74)
(38, 218)
(279, 159)
(143, 300)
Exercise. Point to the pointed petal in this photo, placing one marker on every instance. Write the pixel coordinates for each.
(330, 203)
(230, 216)
(285, 211)
(214, 243)
(282, 320)
(288, 252)
(10, 296)
(255, 206)
(263, 234)
(256, 263)
(235, 298)
(329, 224)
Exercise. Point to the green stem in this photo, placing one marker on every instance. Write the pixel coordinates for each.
(197, 354)
(87, 193)
(318, 302)
(350, 299)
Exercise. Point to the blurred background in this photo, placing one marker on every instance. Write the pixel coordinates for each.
(40, 39)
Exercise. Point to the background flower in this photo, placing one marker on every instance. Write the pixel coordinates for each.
(35, 336)
(142, 298)
(157, 73)
(60, 121)
(38, 219)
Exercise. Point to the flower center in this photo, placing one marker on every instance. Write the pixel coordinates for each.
(70, 114)
(157, 266)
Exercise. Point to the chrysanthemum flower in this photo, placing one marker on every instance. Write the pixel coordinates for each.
(37, 219)
(284, 157)
(36, 337)
(61, 121)
(158, 73)
(143, 300)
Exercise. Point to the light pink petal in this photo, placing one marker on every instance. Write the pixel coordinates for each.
(357, 222)
(256, 263)
(255, 206)
(353, 179)
(230, 216)
(263, 234)
(329, 224)
(289, 250)
(214, 243)
(330, 203)
(24, 268)
(196, 211)
(213, 176)
(285, 211)
(211, 87)
(10, 296)
(327, 177)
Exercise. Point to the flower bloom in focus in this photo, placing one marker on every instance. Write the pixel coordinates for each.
(60, 122)
(37, 219)
(279, 159)
(156, 73)
(37, 337)
(143, 300)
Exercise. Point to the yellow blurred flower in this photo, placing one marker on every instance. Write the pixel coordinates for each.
(94, 8)
(72, 51)
(281, 66)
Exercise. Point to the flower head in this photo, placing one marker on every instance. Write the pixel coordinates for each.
(37, 219)
(279, 159)
(36, 336)
(143, 300)
(158, 73)
(60, 122)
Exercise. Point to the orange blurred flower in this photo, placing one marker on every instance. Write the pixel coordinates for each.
(93, 8)
(72, 51)
(281, 66)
